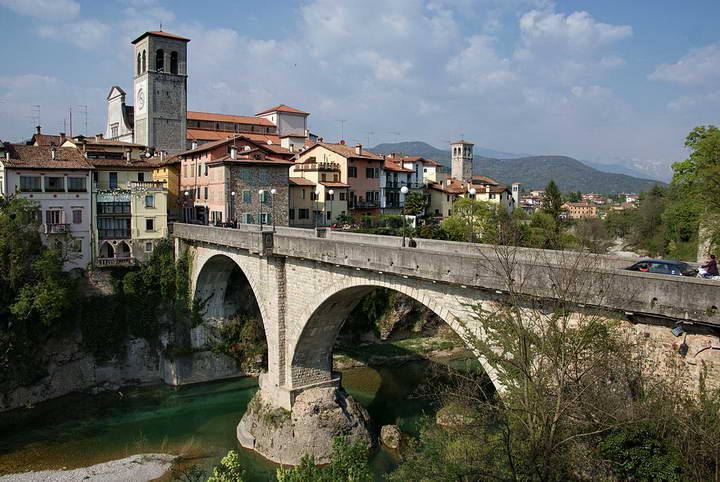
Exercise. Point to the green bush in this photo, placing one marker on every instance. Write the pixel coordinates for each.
(349, 463)
(637, 454)
(228, 470)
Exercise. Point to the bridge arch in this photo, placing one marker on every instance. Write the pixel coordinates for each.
(310, 354)
(225, 286)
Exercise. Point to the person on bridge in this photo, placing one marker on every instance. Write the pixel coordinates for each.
(711, 268)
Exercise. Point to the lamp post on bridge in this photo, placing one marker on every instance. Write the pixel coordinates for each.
(232, 207)
(261, 194)
(273, 191)
(404, 190)
(315, 207)
(331, 193)
(472, 193)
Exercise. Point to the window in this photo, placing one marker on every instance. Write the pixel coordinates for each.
(114, 131)
(144, 63)
(369, 172)
(342, 196)
(138, 64)
(248, 218)
(370, 197)
(76, 245)
(76, 184)
(141, 176)
(329, 215)
(245, 175)
(264, 177)
(352, 171)
(95, 176)
(55, 216)
(148, 247)
(313, 196)
(246, 197)
(206, 169)
(302, 194)
(323, 177)
(206, 192)
(199, 170)
(149, 224)
(291, 214)
(265, 197)
(197, 194)
(30, 184)
(113, 183)
(54, 184)
(266, 218)
(303, 213)
(160, 60)
(173, 62)
(150, 201)
(77, 216)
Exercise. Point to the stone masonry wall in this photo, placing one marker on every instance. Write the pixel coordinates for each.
(252, 178)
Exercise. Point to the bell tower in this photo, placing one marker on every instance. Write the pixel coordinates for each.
(462, 160)
(160, 90)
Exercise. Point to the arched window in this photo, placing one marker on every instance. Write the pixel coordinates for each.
(173, 63)
(160, 60)
(138, 65)
(144, 64)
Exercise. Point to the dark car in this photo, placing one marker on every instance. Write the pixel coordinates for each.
(663, 266)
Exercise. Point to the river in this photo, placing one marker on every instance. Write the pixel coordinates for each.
(197, 421)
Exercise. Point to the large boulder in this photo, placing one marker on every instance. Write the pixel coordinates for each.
(390, 436)
(318, 416)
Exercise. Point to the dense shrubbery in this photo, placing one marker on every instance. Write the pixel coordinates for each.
(243, 339)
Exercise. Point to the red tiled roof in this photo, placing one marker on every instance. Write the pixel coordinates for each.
(143, 163)
(275, 161)
(393, 166)
(464, 142)
(300, 181)
(430, 162)
(484, 180)
(40, 157)
(206, 135)
(259, 143)
(347, 151)
(239, 119)
(334, 184)
(160, 33)
(47, 140)
(283, 108)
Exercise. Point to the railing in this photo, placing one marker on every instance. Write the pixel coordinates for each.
(318, 166)
(56, 228)
(364, 204)
(159, 185)
(114, 233)
(399, 184)
(127, 261)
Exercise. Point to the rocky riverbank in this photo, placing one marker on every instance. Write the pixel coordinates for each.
(136, 468)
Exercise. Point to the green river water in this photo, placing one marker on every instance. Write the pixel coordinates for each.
(197, 421)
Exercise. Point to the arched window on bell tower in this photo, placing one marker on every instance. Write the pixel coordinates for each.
(138, 64)
(159, 60)
(173, 62)
(144, 64)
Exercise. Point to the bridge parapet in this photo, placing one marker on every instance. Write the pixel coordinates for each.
(534, 272)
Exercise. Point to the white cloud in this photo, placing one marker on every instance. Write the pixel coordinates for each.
(478, 67)
(577, 30)
(47, 10)
(699, 67)
(693, 103)
(85, 34)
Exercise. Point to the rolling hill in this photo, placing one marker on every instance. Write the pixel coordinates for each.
(533, 172)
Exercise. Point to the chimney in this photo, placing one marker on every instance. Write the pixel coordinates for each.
(320, 140)
(7, 155)
(358, 149)
(162, 156)
(37, 128)
(62, 138)
(448, 181)
(193, 145)
(233, 152)
(53, 150)
(342, 142)
(128, 154)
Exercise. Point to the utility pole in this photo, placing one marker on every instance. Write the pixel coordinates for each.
(71, 132)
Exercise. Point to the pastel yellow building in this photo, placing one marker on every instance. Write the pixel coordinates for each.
(311, 184)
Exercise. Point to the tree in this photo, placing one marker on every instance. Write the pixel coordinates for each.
(469, 221)
(349, 463)
(414, 204)
(700, 172)
(552, 202)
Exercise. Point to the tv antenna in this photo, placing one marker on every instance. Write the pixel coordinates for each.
(36, 114)
(368, 137)
(342, 128)
(84, 112)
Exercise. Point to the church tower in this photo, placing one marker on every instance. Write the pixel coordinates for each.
(160, 89)
(462, 160)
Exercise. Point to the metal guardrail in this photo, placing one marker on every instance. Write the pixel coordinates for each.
(57, 228)
(104, 262)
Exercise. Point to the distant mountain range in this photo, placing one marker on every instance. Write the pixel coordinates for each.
(533, 172)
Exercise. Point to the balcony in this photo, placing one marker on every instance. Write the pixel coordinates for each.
(399, 184)
(56, 228)
(117, 233)
(148, 185)
(318, 166)
(108, 262)
(364, 204)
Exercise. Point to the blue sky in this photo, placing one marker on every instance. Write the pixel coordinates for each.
(608, 81)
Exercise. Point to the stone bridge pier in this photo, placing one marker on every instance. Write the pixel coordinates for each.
(304, 287)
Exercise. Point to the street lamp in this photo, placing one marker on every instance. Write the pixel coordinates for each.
(273, 191)
(186, 208)
(331, 193)
(232, 207)
(404, 191)
(261, 193)
(472, 192)
(315, 204)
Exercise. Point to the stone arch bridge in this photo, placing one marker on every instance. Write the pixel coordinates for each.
(306, 282)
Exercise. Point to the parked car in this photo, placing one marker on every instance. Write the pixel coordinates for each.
(663, 266)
